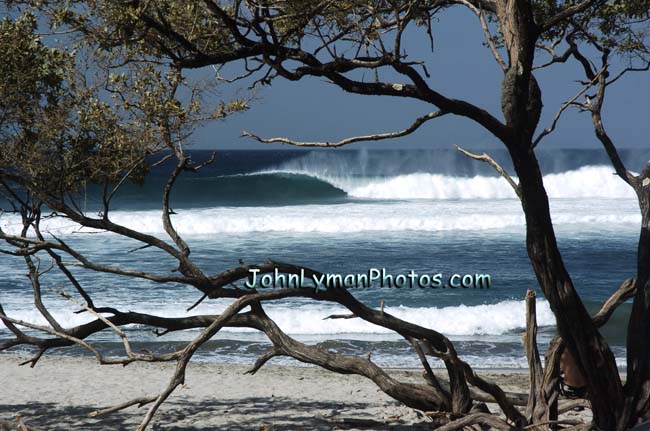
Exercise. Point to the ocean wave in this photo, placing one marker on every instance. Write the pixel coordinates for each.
(308, 319)
(585, 182)
(589, 197)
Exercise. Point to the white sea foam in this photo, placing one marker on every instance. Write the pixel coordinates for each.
(424, 216)
(307, 319)
(492, 319)
(585, 182)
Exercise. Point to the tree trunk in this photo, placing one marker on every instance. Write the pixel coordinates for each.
(637, 387)
(574, 323)
(521, 105)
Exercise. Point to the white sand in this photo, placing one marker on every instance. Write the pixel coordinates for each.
(60, 392)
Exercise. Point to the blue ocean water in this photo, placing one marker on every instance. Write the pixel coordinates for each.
(431, 211)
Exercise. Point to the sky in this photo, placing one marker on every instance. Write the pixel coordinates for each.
(460, 67)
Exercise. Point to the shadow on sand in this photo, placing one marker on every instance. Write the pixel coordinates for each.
(238, 415)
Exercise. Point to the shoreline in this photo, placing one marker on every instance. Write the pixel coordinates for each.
(23, 356)
(60, 392)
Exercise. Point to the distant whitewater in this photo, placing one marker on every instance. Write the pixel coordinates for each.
(585, 182)
(434, 203)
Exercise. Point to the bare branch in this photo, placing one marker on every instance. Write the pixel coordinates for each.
(196, 304)
(476, 419)
(264, 359)
(490, 161)
(627, 70)
(565, 105)
(118, 331)
(430, 376)
(604, 138)
(625, 291)
(486, 31)
(340, 316)
(376, 137)
(136, 401)
(98, 355)
(32, 362)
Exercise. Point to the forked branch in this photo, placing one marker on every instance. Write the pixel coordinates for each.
(497, 167)
(564, 106)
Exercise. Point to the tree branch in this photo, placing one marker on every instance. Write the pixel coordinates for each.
(497, 167)
(486, 31)
(376, 137)
(566, 14)
(564, 106)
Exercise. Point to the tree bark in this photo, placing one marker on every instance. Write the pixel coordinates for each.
(521, 105)
(637, 386)
(536, 372)
(574, 323)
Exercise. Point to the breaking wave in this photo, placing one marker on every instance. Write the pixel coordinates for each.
(296, 202)
(585, 182)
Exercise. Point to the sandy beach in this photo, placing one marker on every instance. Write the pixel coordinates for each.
(60, 392)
